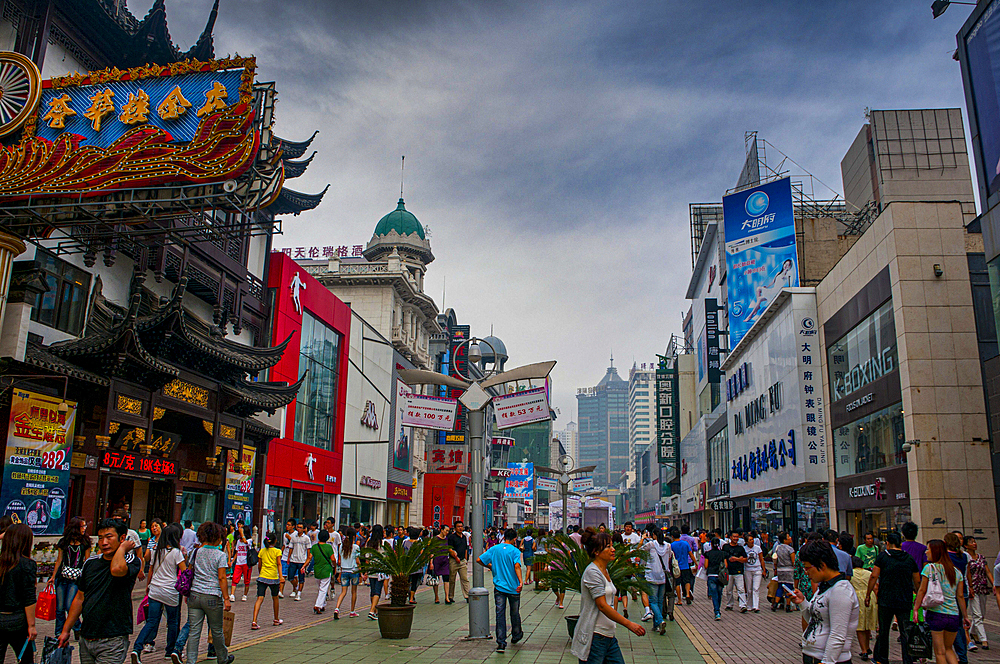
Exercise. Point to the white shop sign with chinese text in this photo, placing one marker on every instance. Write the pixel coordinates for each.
(513, 410)
(776, 432)
(427, 412)
(546, 484)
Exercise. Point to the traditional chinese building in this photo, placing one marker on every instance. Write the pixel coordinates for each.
(137, 205)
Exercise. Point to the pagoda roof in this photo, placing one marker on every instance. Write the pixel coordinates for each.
(173, 333)
(37, 356)
(247, 398)
(294, 169)
(294, 202)
(257, 429)
(295, 149)
(126, 41)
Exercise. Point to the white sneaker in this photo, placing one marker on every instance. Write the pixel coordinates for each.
(298, 596)
(148, 648)
(280, 595)
(647, 616)
(232, 598)
(244, 598)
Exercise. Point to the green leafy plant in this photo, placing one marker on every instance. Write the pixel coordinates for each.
(565, 562)
(398, 563)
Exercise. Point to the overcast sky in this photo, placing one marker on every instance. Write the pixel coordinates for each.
(553, 147)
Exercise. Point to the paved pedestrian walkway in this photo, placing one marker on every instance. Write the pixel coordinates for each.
(438, 636)
(769, 637)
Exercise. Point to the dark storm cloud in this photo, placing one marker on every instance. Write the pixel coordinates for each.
(553, 147)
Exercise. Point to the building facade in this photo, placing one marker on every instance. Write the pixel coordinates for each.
(602, 412)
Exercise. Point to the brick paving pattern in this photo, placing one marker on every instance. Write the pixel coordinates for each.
(756, 638)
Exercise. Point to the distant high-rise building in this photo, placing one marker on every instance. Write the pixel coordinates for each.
(641, 411)
(570, 438)
(602, 412)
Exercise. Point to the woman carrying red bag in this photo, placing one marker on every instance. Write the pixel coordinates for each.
(17, 593)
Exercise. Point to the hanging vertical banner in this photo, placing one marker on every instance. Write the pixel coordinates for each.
(36, 467)
(667, 414)
(239, 485)
(761, 256)
(714, 364)
(401, 448)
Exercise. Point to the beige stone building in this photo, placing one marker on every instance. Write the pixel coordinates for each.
(896, 320)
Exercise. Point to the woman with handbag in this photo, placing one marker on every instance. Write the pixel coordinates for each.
(657, 566)
(161, 592)
(73, 550)
(209, 595)
(17, 593)
(941, 594)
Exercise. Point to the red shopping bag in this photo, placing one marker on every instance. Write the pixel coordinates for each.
(45, 607)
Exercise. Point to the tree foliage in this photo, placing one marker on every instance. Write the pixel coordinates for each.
(398, 563)
(565, 561)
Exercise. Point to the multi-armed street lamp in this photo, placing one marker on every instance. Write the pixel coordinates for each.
(565, 480)
(476, 399)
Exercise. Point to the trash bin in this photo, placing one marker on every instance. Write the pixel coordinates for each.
(479, 613)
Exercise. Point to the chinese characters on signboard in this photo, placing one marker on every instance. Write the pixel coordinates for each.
(521, 408)
(760, 251)
(328, 251)
(447, 459)
(520, 485)
(36, 467)
(812, 393)
(239, 485)
(712, 340)
(426, 412)
(667, 415)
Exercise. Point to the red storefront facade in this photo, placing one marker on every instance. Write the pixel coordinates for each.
(303, 471)
(444, 498)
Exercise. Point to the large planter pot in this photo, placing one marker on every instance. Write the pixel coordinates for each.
(571, 624)
(394, 622)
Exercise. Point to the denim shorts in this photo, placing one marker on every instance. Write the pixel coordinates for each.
(296, 570)
(376, 586)
(350, 578)
(263, 587)
(284, 568)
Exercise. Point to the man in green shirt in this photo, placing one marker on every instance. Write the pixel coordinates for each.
(867, 551)
(323, 555)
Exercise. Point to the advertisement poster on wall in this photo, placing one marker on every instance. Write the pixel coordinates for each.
(404, 435)
(760, 251)
(520, 485)
(36, 467)
(239, 485)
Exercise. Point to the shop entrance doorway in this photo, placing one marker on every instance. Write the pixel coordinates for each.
(144, 499)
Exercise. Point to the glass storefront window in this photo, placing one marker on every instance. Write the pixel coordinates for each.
(994, 270)
(316, 405)
(864, 354)
(718, 463)
(813, 509)
(355, 510)
(197, 506)
(274, 510)
(873, 442)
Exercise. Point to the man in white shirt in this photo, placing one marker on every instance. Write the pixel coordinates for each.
(189, 538)
(286, 548)
(630, 536)
(299, 555)
(753, 570)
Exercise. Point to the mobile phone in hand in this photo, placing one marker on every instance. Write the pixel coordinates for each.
(787, 589)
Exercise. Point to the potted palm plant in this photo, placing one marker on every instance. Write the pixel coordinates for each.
(565, 561)
(398, 562)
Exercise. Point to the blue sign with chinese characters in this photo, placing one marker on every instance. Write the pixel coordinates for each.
(104, 112)
(760, 251)
(521, 483)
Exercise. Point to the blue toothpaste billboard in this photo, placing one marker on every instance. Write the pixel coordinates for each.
(760, 251)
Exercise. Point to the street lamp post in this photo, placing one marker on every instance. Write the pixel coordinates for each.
(476, 399)
(564, 482)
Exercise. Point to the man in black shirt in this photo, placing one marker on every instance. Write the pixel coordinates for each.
(458, 561)
(894, 577)
(105, 598)
(736, 556)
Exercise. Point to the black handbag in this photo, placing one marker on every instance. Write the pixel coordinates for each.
(917, 640)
